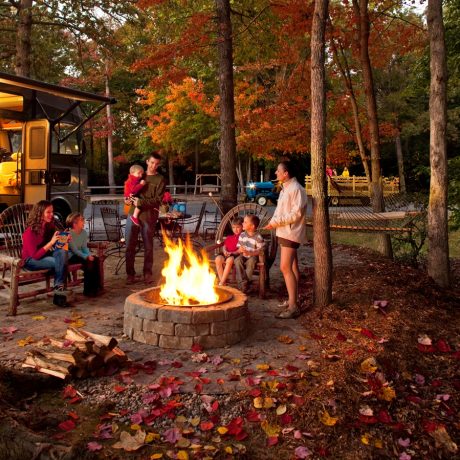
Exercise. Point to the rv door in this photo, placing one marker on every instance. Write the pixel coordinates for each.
(36, 154)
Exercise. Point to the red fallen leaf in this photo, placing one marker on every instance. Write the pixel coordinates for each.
(205, 380)
(255, 392)
(68, 425)
(368, 419)
(340, 337)
(119, 389)
(298, 400)
(176, 364)
(286, 419)
(456, 384)
(398, 426)
(248, 372)
(234, 377)
(322, 451)
(215, 406)
(272, 441)
(93, 446)
(456, 355)
(443, 346)
(430, 425)
(206, 426)
(385, 417)
(367, 333)
(425, 348)
(241, 435)
(317, 336)
(292, 368)
(253, 416)
(436, 383)
(69, 392)
(73, 415)
(75, 400)
(196, 348)
(220, 381)
(273, 372)
(350, 351)
(108, 416)
(198, 387)
(414, 399)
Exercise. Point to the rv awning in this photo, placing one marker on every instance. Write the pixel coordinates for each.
(18, 83)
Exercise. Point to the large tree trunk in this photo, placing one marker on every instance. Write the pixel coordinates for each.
(400, 158)
(23, 42)
(438, 238)
(110, 173)
(322, 291)
(227, 106)
(171, 170)
(363, 22)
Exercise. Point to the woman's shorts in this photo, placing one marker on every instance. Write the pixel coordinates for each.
(288, 243)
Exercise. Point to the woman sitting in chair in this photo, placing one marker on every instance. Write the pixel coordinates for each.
(40, 251)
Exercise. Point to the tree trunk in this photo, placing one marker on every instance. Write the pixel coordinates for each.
(399, 156)
(438, 238)
(346, 76)
(322, 290)
(110, 173)
(227, 106)
(171, 170)
(197, 159)
(23, 42)
(363, 22)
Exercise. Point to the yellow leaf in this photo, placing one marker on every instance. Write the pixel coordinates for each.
(365, 438)
(77, 324)
(183, 443)
(135, 427)
(151, 437)
(222, 430)
(270, 430)
(268, 403)
(28, 340)
(272, 385)
(195, 421)
(263, 367)
(156, 456)
(38, 318)
(378, 443)
(314, 373)
(180, 419)
(302, 348)
(236, 360)
(229, 450)
(258, 402)
(285, 339)
(209, 447)
(114, 427)
(327, 420)
(182, 455)
(369, 366)
(280, 410)
(387, 394)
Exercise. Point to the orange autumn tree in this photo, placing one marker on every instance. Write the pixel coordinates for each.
(181, 121)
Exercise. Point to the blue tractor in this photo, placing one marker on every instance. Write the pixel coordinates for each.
(261, 192)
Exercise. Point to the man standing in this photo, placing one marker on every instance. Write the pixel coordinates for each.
(149, 202)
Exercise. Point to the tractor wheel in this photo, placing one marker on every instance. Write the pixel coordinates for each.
(261, 200)
(334, 200)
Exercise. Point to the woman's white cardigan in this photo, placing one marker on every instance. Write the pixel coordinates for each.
(289, 216)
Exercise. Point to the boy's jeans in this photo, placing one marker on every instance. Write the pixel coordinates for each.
(245, 267)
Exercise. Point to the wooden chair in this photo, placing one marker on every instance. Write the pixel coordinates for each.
(267, 258)
(13, 276)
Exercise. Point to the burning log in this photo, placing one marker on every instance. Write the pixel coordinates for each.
(81, 354)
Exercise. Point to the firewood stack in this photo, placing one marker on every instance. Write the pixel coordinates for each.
(81, 354)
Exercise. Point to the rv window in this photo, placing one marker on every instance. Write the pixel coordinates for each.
(60, 177)
(37, 143)
(68, 147)
(10, 101)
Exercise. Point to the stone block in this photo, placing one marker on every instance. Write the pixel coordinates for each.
(159, 327)
(235, 337)
(173, 341)
(211, 341)
(222, 327)
(191, 330)
(236, 312)
(204, 315)
(175, 315)
(149, 313)
(137, 323)
(151, 338)
(139, 336)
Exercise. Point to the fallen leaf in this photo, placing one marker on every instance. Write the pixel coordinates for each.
(182, 455)
(263, 367)
(285, 339)
(9, 330)
(130, 443)
(38, 318)
(27, 341)
(327, 420)
(156, 456)
(302, 452)
(93, 446)
(424, 340)
(443, 440)
(369, 366)
(280, 410)
(68, 425)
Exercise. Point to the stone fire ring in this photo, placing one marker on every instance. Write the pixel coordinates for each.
(176, 327)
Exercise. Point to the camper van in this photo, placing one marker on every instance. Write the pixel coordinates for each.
(42, 151)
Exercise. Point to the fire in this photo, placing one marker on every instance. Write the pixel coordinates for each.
(188, 277)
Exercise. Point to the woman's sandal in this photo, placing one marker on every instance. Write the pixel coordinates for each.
(284, 304)
(289, 313)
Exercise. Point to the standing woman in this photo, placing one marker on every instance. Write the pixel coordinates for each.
(291, 232)
(38, 250)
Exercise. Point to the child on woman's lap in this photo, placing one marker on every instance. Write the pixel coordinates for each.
(224, 261)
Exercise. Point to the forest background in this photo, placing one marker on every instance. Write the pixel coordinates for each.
(159, 60)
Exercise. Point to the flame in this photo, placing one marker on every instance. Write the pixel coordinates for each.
(188, 277)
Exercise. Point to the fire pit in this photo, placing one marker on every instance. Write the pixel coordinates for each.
(170, 326)
(188, 308)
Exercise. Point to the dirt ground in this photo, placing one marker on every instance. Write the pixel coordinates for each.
(373, 375)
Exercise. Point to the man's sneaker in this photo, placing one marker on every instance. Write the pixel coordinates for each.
(289, 313)
(135, 221)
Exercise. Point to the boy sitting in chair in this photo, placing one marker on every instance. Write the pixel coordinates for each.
(250, 244)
